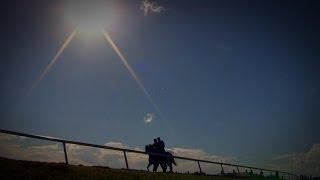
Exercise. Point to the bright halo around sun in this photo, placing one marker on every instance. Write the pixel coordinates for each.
(89, 17)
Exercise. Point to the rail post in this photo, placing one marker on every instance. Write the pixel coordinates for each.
(125, 158)
(199, 167)
(65, 153)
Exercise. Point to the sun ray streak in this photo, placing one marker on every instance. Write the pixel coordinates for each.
(132, 72)
(55, 59)
(136, 78)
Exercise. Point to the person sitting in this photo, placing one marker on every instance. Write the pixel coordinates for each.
(160, 145)
(155, 145)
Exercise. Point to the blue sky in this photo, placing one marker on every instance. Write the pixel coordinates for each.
(233, 78)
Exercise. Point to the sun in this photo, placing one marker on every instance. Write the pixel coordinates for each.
(89, 17)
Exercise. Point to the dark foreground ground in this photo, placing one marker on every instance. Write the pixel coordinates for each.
(16, 169)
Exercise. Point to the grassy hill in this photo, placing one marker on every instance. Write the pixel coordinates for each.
(16, 169)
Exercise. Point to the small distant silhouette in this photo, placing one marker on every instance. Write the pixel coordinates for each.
(261, 173)
(251, 172)
(164, 161)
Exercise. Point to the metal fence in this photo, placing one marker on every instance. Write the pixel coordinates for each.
(125, 151)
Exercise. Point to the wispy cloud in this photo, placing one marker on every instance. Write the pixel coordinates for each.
(302, 163)
(149, 118)
(16, 148)
(147, 6)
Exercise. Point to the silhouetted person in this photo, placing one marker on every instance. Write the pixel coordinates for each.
(261, 173)
(161, 145)
(155, 143)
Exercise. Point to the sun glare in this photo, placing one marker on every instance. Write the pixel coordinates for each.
(89, 17)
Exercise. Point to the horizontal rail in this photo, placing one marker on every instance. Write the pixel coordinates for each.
(134, 151)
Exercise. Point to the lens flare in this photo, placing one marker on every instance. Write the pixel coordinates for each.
(136, 78)
(55, 59)
(131, 71)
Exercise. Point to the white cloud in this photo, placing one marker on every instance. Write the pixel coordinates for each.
(149, 118)
(11, 138)
(116, 144)
(150, 7)
(11, 148)
(192, 166)
(307, 163)
(15, 148)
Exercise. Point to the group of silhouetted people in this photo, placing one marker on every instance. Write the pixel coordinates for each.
(158, 156)
(157, 146)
